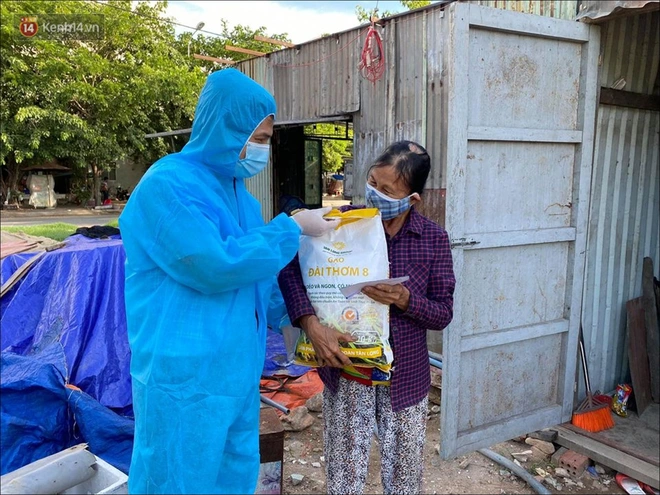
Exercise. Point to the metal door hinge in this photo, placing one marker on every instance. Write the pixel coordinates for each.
(463, 242)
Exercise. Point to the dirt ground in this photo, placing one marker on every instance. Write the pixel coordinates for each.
(473, 474)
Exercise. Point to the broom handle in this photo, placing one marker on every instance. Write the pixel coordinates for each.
(583, 358)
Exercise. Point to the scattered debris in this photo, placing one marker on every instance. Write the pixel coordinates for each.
(601, 470)
(437, 448)
(298, 419)
(541, 472)
(316, 464)
(546, 447)
(553, 483)
(517, 463)
(591, 472)
(315, 403)
(464, 464)
(296, 479)
(435, 409)
(302, 462)
(522, 456)
(561, 472)
(545, 435)
(505, 472)
(557, 455)
(296, 448)
(322, 458)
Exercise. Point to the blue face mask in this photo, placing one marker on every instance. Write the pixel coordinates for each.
(389, 208)
(256, 159)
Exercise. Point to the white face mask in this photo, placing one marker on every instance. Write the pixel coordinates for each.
(389, 207)
(256, 159)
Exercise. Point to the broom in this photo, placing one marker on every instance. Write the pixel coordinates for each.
(591, 415)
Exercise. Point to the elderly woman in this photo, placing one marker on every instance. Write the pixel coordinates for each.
(356, 399)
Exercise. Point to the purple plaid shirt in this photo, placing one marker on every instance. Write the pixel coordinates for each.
(420, 250)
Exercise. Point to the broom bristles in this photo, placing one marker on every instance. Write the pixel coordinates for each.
(593, 416)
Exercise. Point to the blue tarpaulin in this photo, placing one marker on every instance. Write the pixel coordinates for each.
(75, 295)
(63, 324)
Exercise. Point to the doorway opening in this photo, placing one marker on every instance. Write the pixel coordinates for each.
(311, 162)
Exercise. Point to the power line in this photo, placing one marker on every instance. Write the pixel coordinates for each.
(161, 19)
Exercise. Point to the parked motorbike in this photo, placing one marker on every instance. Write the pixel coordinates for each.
(122, 194)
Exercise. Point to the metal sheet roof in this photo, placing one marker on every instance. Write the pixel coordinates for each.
(597, 11)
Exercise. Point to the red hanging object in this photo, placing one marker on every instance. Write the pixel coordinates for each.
(372, 60)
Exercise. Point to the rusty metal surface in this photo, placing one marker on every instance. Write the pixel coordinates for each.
(599, 11)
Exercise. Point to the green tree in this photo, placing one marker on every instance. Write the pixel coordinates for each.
(334, 150)
(90, 102)
(214, 46)
(364, 15)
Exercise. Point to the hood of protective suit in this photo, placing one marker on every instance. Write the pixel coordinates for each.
(230, 107)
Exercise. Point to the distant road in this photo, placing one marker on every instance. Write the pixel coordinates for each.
(79, 220)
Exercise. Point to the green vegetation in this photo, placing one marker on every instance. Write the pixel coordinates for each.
(364, 15)
(334, 151)
(56, 231)
(88, 103)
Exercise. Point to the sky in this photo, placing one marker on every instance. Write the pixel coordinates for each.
(301, 20)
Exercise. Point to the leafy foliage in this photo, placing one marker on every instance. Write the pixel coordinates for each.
(334, 151)
(89, 103)
(364, 15)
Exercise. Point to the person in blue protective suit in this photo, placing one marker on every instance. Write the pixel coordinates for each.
(201, 287)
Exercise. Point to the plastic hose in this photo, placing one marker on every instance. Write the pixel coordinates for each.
(276, 405)
(435, 363)
(435, 355)
(517, 470)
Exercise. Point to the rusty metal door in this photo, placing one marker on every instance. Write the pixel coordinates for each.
(521, 101)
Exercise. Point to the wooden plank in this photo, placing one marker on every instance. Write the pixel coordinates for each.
(620, 98)
(609, 456)
(273, 41)
(20, 273)
(476, 133)
(511, 335)
(651, 323)
(530, 25)
(638, 354)
(244, 50)
(617, 445)
(214, 59)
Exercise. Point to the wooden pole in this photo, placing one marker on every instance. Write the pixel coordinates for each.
(274, 41)
(214, 59)
(244, 50)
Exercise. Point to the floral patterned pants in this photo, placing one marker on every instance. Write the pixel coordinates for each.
(350, 416)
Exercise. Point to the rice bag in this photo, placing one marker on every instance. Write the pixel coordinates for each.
(354, 252)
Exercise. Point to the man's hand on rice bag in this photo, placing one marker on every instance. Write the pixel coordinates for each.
(312, 223)
(397, 294)
(325, 341)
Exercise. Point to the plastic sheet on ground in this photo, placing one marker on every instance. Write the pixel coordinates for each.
(292, 392)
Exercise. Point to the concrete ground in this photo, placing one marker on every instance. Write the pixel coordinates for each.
(76, 215)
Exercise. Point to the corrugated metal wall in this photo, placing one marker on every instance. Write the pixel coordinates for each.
(625, 205)
(559, 9)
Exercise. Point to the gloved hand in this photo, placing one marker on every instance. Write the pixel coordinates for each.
(312, 222)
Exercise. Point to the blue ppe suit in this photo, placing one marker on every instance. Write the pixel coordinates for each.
(200, 288)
